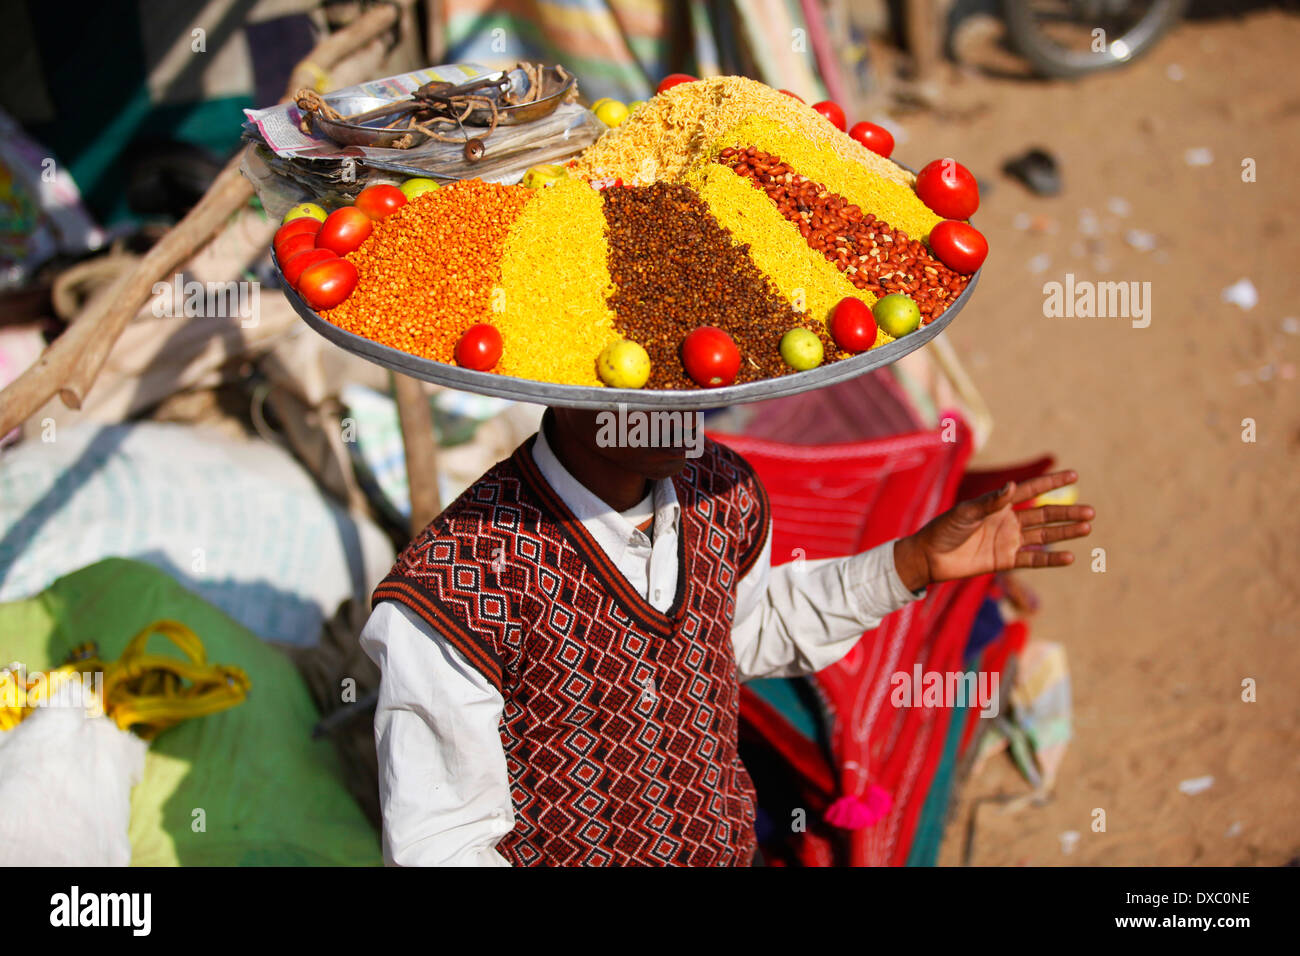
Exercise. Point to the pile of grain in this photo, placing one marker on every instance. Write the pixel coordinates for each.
(427, 272)
(675, 269)
(669, 134)
(897, 204)
(551, 309)
(801, 274)
(873, 255)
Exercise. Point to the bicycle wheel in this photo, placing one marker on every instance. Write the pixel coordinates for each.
(1060, 39)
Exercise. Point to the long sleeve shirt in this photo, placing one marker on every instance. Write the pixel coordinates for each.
(443, 784)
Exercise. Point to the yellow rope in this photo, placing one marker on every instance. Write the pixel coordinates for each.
(320, 76)
(142, 692)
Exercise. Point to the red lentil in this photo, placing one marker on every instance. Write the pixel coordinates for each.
(427, 272)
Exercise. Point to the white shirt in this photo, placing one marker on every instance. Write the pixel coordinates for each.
(443, 783)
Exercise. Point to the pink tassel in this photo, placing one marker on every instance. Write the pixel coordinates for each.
(854, 813)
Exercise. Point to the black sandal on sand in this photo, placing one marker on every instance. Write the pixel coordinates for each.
(1037, 170)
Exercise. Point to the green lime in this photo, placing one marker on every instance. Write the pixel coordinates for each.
(417, 187)
(896, 314)
(801, 349)
(544, 175)
(611, 113)
(623, 364)
(308, 209)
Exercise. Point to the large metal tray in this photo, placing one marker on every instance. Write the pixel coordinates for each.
(584, 396)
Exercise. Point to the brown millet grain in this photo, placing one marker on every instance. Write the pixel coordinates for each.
(675, 269)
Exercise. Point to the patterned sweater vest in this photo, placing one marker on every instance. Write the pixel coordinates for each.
(620, 721)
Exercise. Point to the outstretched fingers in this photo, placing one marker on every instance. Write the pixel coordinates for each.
(1044, 483)
(1043, 559)
(1050, 534)
(992, 501)
(1051, 514)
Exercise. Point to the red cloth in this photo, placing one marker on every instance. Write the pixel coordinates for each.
(863, 408)
(838, 499)
(833, 500)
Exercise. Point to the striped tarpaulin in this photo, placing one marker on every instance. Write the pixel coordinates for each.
(622, 48)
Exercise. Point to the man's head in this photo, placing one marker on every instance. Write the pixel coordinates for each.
(651, 444)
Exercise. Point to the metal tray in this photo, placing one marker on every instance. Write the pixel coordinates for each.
(554, 87)
(586, 396)
(353, 134)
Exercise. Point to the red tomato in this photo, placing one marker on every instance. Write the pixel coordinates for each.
(948, 188)
(380, 200)
(479, 348)
(795, 95)
(327, 283)
(875, 138)
(297, 264)
(959, 246)
(304, 225)
(344, 230)
(710, 357)
(672, 79)
(833, 113)
(852, 325)
(288, 248)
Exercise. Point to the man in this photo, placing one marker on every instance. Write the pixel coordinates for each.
(561, 649)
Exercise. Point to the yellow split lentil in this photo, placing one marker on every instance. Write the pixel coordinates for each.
(551, 311)
(887, 199)
(671, 131)
(775, 245)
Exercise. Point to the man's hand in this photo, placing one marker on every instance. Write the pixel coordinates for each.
(985, 534)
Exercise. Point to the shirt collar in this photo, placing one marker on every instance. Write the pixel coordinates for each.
(611, 530)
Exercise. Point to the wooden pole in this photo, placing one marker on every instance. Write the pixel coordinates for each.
(924, 38)
(421, 450)
(71, 364)
(374, 23)
(434, 11)
(95, 331)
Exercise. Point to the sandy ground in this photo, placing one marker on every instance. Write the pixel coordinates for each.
(1200, 529)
